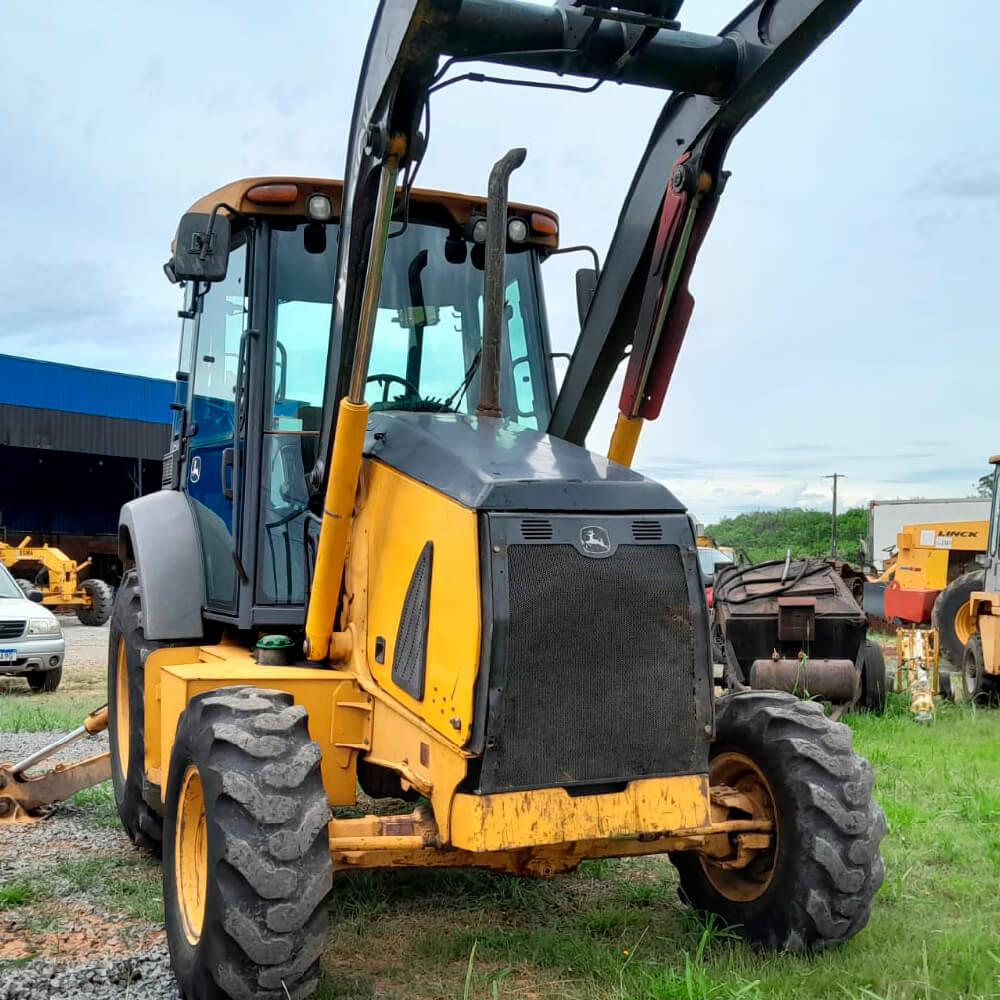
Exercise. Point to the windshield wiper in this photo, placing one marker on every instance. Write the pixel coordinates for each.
(456, 396)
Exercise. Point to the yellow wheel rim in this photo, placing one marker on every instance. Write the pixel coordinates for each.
(743, 885)
(191, 855)
(123, 731)
(965, 624)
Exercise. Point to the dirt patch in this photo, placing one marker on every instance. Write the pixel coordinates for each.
(71, 932)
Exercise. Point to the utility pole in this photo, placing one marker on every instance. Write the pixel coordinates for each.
(833, 527)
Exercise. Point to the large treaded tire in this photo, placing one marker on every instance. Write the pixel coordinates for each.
(102, 602)
(142, 822)
(978, 686)
(44, 681)
(952, 600)
(873, 679)
(268, 857)
(827, 867)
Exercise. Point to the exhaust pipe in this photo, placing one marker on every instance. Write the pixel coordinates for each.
(494, 282)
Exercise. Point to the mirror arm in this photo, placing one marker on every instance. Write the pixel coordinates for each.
(235, 213)
(579, 248)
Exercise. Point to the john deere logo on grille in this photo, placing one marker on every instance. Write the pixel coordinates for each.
(595, 541)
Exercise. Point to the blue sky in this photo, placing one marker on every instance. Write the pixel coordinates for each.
(845, 294)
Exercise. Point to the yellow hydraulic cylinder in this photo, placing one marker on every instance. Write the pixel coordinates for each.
(624, 439)
(338, 509)
(349, 441)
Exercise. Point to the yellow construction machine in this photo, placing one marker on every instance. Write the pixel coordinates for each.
(385, 560)
(929, 579)
(981, 659)
(58, 577)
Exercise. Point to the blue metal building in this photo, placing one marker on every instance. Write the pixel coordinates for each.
(75, 444)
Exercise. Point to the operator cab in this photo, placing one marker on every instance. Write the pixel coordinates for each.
(256, 358)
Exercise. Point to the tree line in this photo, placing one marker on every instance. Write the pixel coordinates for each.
(768, 534)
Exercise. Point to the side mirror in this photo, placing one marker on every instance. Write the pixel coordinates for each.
(201, 248)
(586, 286)
(36, 596)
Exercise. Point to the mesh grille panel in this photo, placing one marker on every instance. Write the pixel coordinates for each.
(600, 670)
(11, 629)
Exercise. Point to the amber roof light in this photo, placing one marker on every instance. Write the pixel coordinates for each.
(273, 194)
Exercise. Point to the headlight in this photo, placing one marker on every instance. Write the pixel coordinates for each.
(43, 626)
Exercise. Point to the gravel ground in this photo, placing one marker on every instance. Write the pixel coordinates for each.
(84, 948)
(145, 977)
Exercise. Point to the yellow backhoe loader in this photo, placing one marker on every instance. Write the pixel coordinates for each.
(385, 560)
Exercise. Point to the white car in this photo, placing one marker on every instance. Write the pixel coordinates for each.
(31, 639)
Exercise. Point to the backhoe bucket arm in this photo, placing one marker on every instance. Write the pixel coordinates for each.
(24, 798)
(721, 80)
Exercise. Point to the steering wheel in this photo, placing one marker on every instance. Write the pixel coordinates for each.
(385, 379)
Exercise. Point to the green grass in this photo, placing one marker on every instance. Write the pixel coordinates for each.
(615, 931)
(129, 885)
(83, 688)
(19, 714)
(19, 893)
(99, 803)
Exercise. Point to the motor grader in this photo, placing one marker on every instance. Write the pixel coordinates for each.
(981, 658)
(58, 578)
(385, 560)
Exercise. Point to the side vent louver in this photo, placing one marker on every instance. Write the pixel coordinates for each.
(536, 529)
(647, 531)
(409, 661)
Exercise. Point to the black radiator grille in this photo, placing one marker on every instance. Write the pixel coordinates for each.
(599, 680)
(12, 629)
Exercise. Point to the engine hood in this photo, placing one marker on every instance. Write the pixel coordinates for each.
(493, 464)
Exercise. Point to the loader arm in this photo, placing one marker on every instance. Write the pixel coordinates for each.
(641, 299)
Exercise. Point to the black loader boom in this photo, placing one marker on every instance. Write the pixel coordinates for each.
(642, 305)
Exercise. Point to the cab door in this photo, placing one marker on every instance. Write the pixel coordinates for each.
(216, 439)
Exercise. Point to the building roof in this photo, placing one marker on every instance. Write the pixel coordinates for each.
(50, 385)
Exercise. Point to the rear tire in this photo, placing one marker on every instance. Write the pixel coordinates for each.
(945, 687)
(44, 681)
(978, 686)
(873, 682)
(815, 888)
(101, 602)
(246, 862)
(127, 652)
(951, 615)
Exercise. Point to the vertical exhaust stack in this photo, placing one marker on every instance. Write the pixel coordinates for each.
(494, 281)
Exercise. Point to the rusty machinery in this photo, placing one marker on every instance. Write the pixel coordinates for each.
(795, 625)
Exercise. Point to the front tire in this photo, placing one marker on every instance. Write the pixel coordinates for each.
(246, 861)
(127, 652)
(44, 681)
(814, 887)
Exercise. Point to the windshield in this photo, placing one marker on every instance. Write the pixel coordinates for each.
(8, 588)
(425, 356)
(428, 328)
(710, 559)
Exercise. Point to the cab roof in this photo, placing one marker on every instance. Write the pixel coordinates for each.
(461, 207)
